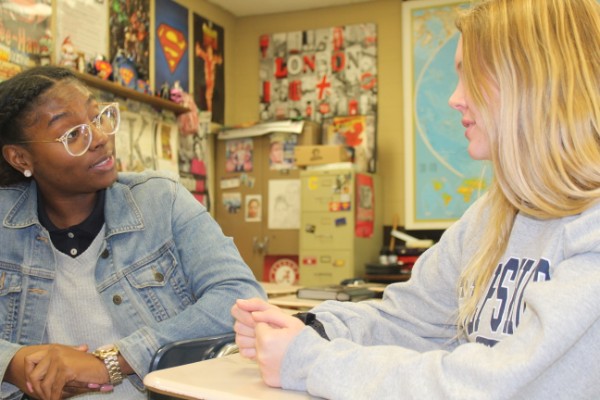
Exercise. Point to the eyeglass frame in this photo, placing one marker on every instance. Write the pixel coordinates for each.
(63, 138)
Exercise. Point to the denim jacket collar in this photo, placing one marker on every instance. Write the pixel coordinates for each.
(122, 214)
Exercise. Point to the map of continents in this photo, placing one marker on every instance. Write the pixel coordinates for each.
(446, 179)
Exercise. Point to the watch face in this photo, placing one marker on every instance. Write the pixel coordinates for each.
(108, 347)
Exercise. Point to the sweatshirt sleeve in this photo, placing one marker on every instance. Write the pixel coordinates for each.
(552, 354)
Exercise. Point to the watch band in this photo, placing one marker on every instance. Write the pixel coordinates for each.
(109, 355)
(311, 320)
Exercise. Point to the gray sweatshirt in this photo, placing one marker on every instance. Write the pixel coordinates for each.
(535, 334)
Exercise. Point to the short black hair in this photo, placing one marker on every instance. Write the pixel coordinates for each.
(17, 94)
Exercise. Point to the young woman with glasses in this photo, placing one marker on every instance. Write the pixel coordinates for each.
(98, 269)
(507, 304)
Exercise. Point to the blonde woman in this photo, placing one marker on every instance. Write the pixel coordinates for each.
(507, 304)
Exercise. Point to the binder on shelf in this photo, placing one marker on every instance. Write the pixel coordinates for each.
(335, 292)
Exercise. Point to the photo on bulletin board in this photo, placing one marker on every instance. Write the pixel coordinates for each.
(281, 150)
(239, 155)
(24, 24)
(129, 23)
(316, 74)
(253, 207)
(209, 67)
(171, 58)
(284, 204)
(232, 201)
(441, 180)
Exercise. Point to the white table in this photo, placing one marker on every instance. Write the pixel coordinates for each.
(227, 378)
(274, 289)
(291, 301)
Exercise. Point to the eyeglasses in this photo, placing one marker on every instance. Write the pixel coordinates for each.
(77, 140)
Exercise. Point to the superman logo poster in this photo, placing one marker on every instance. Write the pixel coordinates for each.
(171, 52)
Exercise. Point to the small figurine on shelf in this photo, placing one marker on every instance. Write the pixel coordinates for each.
(45, 46)
(125, 72)
(81, 62)
(165, 91)
(68, 55)
(143, 86)
(101, 68)
(188, 121)
(176, 93)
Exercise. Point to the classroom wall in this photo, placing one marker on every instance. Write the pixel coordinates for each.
(241, 74)
(387, 15)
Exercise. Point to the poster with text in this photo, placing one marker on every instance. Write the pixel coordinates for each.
(171, 58)
(320, 73)
(26, 35)
(209, 67)
(81, 31)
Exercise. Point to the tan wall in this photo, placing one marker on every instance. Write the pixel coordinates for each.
(241, 74)
(387, 15)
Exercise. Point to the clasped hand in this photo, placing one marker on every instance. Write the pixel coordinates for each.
(53, 371)
(263, 333)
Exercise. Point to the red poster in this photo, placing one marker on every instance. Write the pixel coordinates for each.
(365, 206)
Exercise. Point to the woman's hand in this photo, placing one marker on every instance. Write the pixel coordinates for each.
(244, 324)
(275, 330)
(56, 371)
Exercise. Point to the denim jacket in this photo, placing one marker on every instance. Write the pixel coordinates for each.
(165, 269)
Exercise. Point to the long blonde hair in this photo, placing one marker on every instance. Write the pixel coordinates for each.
(539, 62)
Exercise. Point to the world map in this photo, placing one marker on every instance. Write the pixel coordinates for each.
(445, 180)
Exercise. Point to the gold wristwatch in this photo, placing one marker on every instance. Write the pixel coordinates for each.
(109, 355)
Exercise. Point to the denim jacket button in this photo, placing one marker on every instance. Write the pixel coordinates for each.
(159, 277)
(117, 299)
(105, 253)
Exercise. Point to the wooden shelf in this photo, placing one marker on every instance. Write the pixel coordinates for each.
(123, 91)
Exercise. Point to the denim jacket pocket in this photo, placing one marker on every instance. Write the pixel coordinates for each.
(162, 285)
(11, 286)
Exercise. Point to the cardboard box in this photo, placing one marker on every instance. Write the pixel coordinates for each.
(310, 135)
(316, 155)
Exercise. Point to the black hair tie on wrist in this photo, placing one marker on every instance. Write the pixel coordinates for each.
(311, 320)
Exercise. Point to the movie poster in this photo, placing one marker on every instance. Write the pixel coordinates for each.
(209, 68)
(171, 48)
(318, 74)
(129, 22)
(25, 35)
